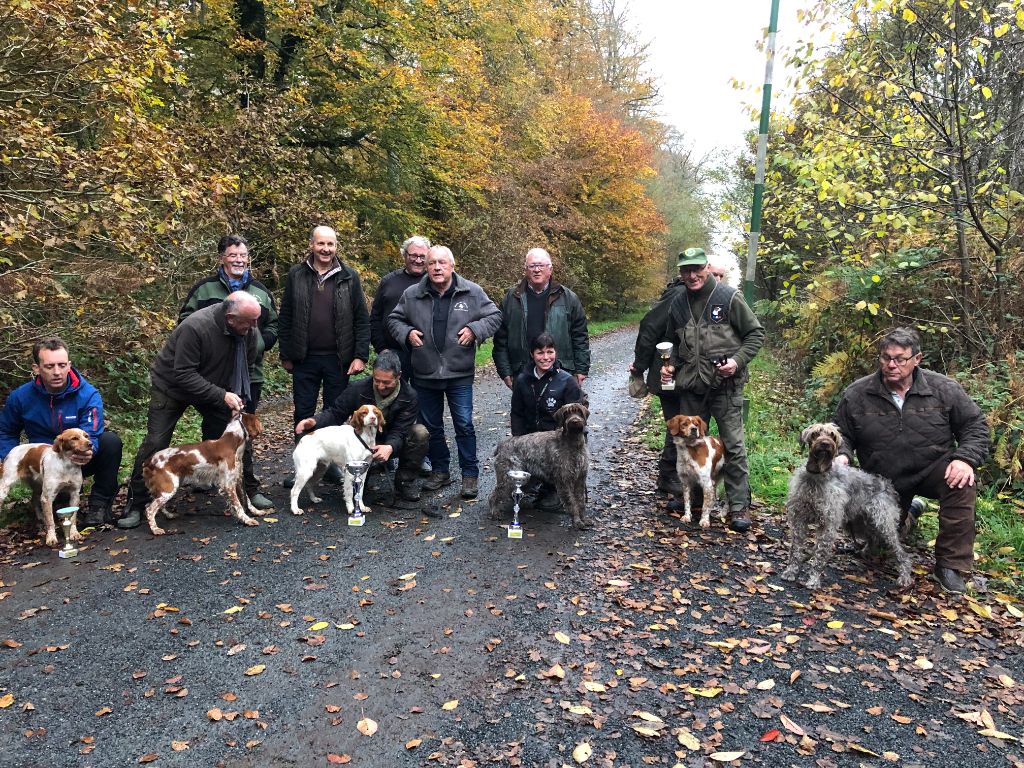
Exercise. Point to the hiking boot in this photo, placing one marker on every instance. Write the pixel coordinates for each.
(469, 486)
(425, 468)
(261, 502)
(670, 485)
(288, 482)
(93, 516)
(949, 580)
(132, 518)
(436, 481)
(406, 489)
(739, 520)
(909, 524)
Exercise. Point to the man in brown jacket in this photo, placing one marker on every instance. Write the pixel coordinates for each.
(203, 364)
(922, 431)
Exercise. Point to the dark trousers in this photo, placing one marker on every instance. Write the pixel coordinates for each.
(954, 546)
(103, 467)
(667, 460)
(411, 454)
(164, 414)
(725, 405)
(307, 377)
(460, 407)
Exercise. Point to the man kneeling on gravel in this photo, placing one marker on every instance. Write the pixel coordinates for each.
(403, 438)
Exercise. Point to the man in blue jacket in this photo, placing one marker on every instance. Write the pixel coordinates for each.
(59, 398)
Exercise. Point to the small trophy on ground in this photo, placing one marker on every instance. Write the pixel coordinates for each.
(520, 478)
(357, 469)
(665, 350)
(65, 514)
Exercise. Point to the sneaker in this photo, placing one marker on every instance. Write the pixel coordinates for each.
(261, 502)
(436, 481)
(469, 486)
(949, 580)
(131, 519)
(669, 485)
(739, 520)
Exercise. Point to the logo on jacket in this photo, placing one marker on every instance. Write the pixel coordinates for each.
(717, 313)
(551, 403)
(460, 306)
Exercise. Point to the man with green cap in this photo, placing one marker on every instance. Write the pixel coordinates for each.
(714, 337)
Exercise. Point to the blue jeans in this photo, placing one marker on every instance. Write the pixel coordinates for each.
(308, 375)
(460, 406)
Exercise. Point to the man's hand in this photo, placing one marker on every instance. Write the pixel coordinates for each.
(508, 381)
(305, 425)
(81, 459)
(668, 372)
(415, 338)
(234, 402)
(841, 459)
(727, 370)
(382, 452)
(356, 366)
(580, 378)
(959, 473)
(288, 365)
(466, 337)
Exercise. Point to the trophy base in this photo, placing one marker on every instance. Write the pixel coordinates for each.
(515, 531)
(356, 519)
(670, 387)
(68, 552)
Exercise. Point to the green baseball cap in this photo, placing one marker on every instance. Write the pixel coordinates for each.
(692, 257)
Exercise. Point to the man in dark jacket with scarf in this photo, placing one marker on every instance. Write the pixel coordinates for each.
(203, 364)
(537, 304)
(233, 275)
(441, 320)
(921, 430)
(324, 326)
(403, 438)
(390, 290)
(714, 337)
(59, 398)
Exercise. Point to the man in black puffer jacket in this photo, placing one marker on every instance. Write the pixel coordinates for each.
(922, 431)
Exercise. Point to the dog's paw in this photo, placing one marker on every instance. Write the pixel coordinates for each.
(157, 530)
(582, 524)
(51, 539)
(705, 523)
(297, 511)
(904, 581)
(75, 535)
(315, 499)
(687, 518)
(791, 572)
(250, 522)
(812, 582)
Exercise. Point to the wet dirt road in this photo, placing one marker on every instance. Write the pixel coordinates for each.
(204, 646)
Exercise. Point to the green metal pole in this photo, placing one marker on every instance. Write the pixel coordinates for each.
(762, 151)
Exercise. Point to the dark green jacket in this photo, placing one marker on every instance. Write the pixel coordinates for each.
(709, 324)
(213, 290)
(564, 319)
(939, 422)
(351, 320)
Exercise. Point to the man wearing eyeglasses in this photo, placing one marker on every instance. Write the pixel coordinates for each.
(534, 305)
(390, 290)
(922, 431)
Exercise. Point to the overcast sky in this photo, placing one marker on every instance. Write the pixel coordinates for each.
(697, 47)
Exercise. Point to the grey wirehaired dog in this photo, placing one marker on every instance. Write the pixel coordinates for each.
(837, 496)
(559, 457)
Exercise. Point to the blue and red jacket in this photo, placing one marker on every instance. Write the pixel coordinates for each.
(42, 415)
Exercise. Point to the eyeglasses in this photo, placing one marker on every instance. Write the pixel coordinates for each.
(692, 270)
(900, 361)
(538, 267)
(416, 256)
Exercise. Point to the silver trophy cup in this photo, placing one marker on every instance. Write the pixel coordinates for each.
(665, 350)
(520, 478)
(357, 469)
(65, 514)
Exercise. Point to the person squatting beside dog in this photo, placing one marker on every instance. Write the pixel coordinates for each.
(714, 337)
(58, 398)
(921, 430)
(539, 391)
(204, 364)
(232, 275)
(402, 438)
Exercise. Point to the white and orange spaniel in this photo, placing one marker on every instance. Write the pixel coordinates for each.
(699, 459)
(317, 450)
(217, 462)
(48, 470)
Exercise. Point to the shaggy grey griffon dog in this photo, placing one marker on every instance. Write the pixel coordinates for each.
(835, 496)
(559, 457)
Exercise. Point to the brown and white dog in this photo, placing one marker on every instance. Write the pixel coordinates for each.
(699, 459)
(48, 470)
(217, 462)
(317, 450)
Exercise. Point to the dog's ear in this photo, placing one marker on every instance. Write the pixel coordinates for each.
(380, 418)
(673, 425)
(703, 426)
(584, 400)
(560, 416)
(356, 419)
(63, 442)
(836, 434)
(807, 434)
(253, 425)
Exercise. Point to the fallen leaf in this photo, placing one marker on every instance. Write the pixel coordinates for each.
(233, 609)
(771, 735)
(922, 663)
(688, 740)
(256, 669)
(236, 648)
(407, 576)
(367, 727)
(582, 752)
(413, 743)
(580, 709)
(179, 746)
(791, 726)
(338, 759)
(647, 716)
(1006, 681)
(555, 671)
(766, 685)
(728, 757)
(645, 731)
(11, 643)
(708, 693)
(149, 758)
(450, 705)
(6, 700)
(593, 687)
(215, 714)
(835, 624)
(318, 626)
(103, 711)
(562, 638)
